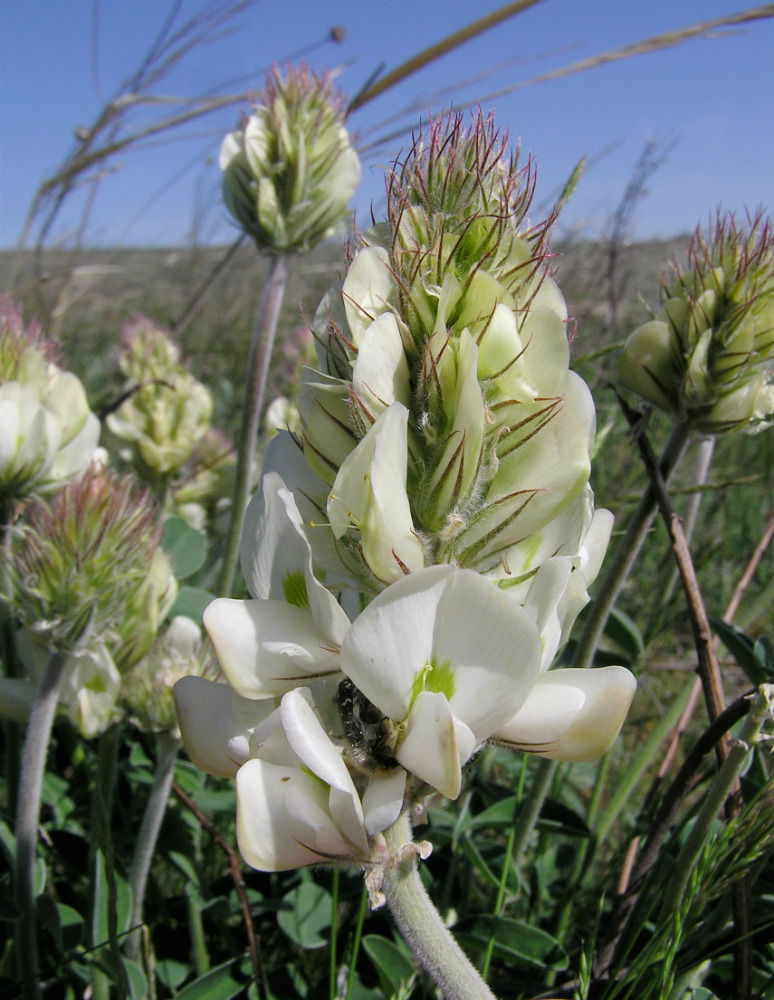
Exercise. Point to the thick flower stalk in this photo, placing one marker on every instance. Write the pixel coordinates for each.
(49, 434)
(705, 357)
(146, 696)
(289, 173)
(166, 412)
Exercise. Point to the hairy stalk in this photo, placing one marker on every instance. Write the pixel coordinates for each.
(420, 923)
(627, 552)
(166, 754)
(258, 363)
(30, 790)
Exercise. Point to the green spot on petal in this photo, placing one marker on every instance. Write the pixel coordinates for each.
(294, 589)
(435, 677)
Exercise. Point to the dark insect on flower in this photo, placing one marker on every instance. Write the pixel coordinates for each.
(367, 731)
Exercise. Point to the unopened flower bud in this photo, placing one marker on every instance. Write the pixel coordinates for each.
(147, 689)
(703, 358)
(80, 559)
(167, 411)
(289, 173)
(48, 433)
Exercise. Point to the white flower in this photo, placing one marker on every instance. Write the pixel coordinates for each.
(369, 494)
(572, 715)
(448, 658)
(89, 691)
(297, 803)
(294, 626)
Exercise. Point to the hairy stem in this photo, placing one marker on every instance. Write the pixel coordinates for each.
(420, 923)
(258, 364)
(167, 747)
(30, 790)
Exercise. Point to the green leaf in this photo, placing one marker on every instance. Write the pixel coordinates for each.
(72, 925)
(743, 650)
(186, 547)
(215, 800)
(185, 865)
(514, 941)
(170, 972)
(100, 923)
(621, 630)
(472, 852)
(501, 814)
(764, 655)
(7, 842)
(138, 984)
(559, 818)
(191, 602)
(308, 913)
(222, 983)
(390, 962)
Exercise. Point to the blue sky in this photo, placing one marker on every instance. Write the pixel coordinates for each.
(712, 99)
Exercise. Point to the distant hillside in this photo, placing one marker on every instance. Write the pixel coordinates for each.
(84, 297)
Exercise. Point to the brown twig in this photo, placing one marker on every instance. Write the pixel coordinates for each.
(253, 940)
(711, 682)
(707, 666)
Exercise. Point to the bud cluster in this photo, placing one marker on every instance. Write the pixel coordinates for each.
(444, 361)
(86, 562)
(146, 691)
(289, 173)
(704, 358)
(48, 432)
(166, 412)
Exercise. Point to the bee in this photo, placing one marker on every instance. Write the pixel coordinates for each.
(367, 731)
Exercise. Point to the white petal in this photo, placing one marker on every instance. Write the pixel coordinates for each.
(367, 290)
(542, 604)
(264, 647)
(311, 743)
(315, 749)
(276, 557)
(369, 492)
(380, 375)
(555, 723)
(491, 648)
(285, 457)
(392, 640)
(282, 818)
(214, 721)
(383, 800)
(430, 748)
